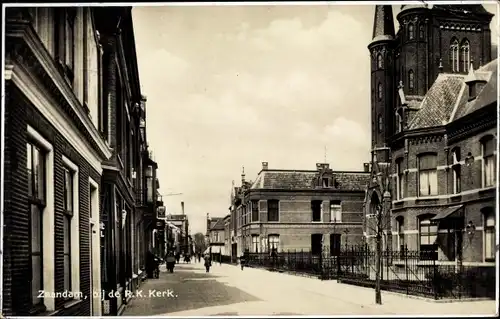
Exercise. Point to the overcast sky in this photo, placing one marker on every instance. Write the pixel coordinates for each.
(233, 86)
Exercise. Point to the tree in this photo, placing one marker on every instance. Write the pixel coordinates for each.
(199, 242)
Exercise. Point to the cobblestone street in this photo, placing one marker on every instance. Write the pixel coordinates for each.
(227, 290)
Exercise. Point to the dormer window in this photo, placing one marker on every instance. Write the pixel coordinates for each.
(326, 182)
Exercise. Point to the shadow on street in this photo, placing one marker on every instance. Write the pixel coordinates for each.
(187, 288)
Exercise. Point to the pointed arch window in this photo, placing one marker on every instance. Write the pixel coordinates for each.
(465, 55)
(380, 61)
(454, 56)
(380, 124)
(411, 79)
(411, 31)
(380, 91)
(421, 31)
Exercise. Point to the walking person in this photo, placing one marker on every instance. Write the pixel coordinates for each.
(208, 262)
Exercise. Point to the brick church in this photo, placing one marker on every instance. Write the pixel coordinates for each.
(434, 133)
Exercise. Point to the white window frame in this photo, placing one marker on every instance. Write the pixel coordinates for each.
(74, 229)
(483, 163)
(273, 243)
(401, 234)
(48, 218)
(485, 226)
(96, 305)
(420, 171)
(255, 243)
(333, 213)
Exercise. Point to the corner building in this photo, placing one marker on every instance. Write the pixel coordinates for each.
(434, 136)
(307, 210)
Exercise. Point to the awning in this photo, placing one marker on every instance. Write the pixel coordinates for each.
(454, 211)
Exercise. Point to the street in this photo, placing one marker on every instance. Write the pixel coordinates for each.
(227, 290)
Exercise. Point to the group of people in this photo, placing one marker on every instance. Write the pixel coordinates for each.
(171, 258)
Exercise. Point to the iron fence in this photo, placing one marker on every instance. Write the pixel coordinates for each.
(409, 272)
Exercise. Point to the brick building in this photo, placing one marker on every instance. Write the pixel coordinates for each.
(216, 235)
(53, 156)
(434, 102)
(74, 173)
(300, 209)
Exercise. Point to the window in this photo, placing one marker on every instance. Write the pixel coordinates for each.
(380, 61)
(64, 40)
(68, 214)
(421, 31)
(428, 236)
(488, 165)
(36, 196)
(456, 170)
(316, 244)
(401, 234)
(454, 59)
(255, 243)
(335, 244)
(255, 210)
(380, 91)
(316, 210)
(399, 122)
(273, 214)
(489, 235)
(411, 79)
(465, 55)
(336, 211)
(380, 124)
(274, 242)
(326, 182)
(427, 166)
(411, 31)
(400, 177)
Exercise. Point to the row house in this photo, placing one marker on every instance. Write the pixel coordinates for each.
(227, 236)
(181, 222)
(74, 137)
(215, 235)
(301, 210)
(434, 171)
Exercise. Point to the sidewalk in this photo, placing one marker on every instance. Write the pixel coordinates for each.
(349, 299)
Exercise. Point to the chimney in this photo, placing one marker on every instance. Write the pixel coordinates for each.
(182, 207)
(367, 167)
(264, 166)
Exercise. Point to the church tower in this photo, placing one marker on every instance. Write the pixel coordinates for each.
(382, 80)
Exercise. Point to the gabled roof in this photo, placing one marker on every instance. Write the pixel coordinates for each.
(306, 180)
(447, 99)
(487, 96)
(217, 223)
(439, 102)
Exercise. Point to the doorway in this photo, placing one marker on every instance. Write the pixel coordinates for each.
(95, 251)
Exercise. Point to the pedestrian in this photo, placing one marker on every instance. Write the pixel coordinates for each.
(199, 257)
(151, 264)
(208, 262)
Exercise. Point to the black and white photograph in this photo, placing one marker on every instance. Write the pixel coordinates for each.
(235, 159)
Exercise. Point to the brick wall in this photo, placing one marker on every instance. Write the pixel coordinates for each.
(19, 113)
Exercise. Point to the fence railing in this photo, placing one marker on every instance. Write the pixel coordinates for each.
(409, 272)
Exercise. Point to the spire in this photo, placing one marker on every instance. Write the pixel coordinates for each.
(383, 24)
(243, 176)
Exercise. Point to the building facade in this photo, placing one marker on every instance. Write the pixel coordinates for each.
(74, 174)
(298, 210)
(434, 133)
(53, 156)
(216, 235)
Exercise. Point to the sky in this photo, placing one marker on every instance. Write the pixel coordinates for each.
(234, 86)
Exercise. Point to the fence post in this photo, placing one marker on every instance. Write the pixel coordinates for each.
(434, 279)
(405, 252)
